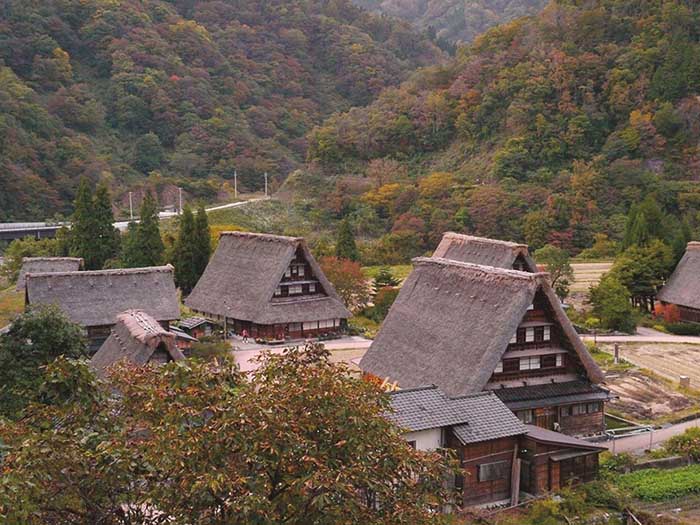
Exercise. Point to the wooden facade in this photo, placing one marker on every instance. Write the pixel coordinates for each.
(540, 353)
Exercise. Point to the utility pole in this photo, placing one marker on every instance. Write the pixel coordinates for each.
(235, 184)
(131, 208)
(180, 200)
(265, 184)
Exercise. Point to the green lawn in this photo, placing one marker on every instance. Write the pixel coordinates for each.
(11, 305)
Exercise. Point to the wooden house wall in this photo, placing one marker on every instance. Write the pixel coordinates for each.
(472, 456)
(583, 423)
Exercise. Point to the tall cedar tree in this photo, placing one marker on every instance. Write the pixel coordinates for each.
(106, 236)
(646, 222)
(202, 241)
(186, 252)
(130, 255)
(345, 247)
(82, 242)
(149, 245)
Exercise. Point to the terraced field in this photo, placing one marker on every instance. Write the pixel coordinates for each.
(587, 274)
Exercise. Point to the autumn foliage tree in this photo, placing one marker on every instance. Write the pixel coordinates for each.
(348, 280)
(197, 443)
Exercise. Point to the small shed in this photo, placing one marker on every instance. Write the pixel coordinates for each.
(138, 339)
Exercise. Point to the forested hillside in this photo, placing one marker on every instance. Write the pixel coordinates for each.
(184, 90)
(546, 130)
(455, 20)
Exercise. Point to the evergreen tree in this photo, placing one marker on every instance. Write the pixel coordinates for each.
(105, 235)
(202, 242)
(384, 279)
(185, 256)
(82, 242)
(345, 247)
(149, 243)
(130, 255)
(645, 223)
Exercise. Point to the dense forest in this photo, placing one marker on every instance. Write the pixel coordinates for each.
(549, 130)
(454, 20)
(137, 92)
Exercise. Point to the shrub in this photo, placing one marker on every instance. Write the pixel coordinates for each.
(209, 351)
(684, 328)
(685, 444)
(615, 463)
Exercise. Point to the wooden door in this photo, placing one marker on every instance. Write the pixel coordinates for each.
(546, 417)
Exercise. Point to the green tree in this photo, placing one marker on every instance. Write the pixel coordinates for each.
(240, 449)
(27, 247)
(149, 248)
(611, 304)
(185, 256)
(35, 339)
(130, 249)
(83, 227)
(384, 279)
(105, 235)
(202, 242)
(345, 247)
(148, 153)
(645, 223)
(559, 267)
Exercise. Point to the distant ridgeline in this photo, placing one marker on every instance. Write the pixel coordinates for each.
(546, 129)
(189, 89)
(455, 20)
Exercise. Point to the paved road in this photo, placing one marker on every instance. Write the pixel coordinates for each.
(641, 442)
(644, 335)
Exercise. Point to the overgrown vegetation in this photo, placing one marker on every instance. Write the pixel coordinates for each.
(660, 485)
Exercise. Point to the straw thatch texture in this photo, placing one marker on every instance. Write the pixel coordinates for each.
(452, 322)
(95, 298)
(244, 273)
(47, 265)
(480, 250)
(134, 338)
(683, 288)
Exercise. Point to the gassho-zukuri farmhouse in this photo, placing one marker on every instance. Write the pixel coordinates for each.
(270, 286)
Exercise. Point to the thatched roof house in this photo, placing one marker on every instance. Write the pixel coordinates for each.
(487, 252)
(137, 338)
(682, 290)
(467, 328)
(47, 265)
(93, 299)
(267, 285)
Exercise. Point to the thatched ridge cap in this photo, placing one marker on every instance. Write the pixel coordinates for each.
(479, 269)
(168, 268)
(142, 326)
(52, 259)
(485, 240)
(263, 237)
(693, 245)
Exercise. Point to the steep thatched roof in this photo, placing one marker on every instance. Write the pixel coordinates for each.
(135, 338)
(452, 322)
(95, 298)
(46, 265)
(683, 287)
(244, 273)
(480, 250)
(474, 418)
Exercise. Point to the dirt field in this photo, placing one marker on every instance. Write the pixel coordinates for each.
(588, 274)
(670, 360)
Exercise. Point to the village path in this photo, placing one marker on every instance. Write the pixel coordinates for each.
(640, 442)
(644, 335)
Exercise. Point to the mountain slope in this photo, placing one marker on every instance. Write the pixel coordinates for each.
(189, 89)
(546, 129)
(455, 20)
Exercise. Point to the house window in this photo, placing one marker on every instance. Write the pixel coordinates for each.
(560, 360)
(312, 287)
(514, 339)
(499, 368)
(549, 361)
(294, 327)
(520, 335)
(412, 444)
(493, 471)
(312, 325)
(531, 307)
(529, 335)
(295, 289)
(278, 292)
(511, 365)
(581, 409)
(288, 273)
(530, 363)
(547, 335)
(525, 416)
(301, 271)
(328, 323)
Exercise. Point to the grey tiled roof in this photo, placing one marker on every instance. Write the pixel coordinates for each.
(191, 322)
(475, 417)
(547, 390)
